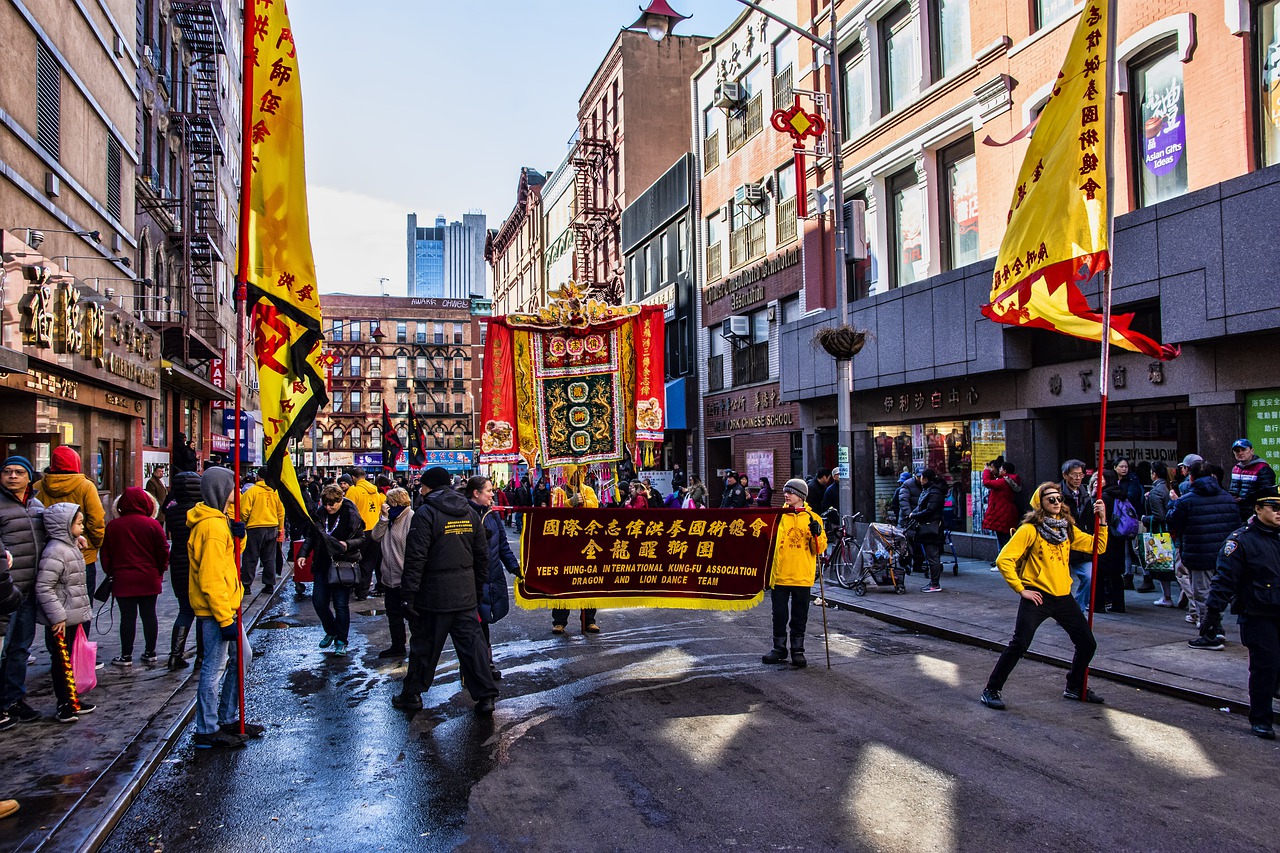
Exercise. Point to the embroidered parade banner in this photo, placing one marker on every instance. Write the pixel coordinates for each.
(614, 558)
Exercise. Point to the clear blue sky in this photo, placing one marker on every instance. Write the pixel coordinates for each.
(432, 106)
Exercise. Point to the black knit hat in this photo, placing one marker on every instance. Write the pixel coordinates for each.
(436, 478)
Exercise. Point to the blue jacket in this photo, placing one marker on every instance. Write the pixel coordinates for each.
(1202, 520)
(494, 603)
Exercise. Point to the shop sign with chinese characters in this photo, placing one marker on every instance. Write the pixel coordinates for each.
(756, 409)
(694, 559)
(96, 340)
(930, 400)
(1262, 423)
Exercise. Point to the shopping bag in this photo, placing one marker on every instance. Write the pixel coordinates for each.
(1157, 551)
(301, 565)
(84, 661)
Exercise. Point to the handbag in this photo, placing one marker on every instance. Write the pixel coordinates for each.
(1156, 548)
(103, 592)
(84, 655)
(344, 573)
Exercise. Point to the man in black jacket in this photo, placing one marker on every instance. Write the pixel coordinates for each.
(1248, 579)
(22, 530)
(446, 563)
(927, 516)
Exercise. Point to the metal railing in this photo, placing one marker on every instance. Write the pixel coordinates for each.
(786, 217)
(746, 244)
(711, 151)
(713, 261)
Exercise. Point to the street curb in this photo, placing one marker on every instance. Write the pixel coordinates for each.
(1197, 697)
(150, 761)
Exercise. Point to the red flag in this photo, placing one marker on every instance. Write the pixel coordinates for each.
(417, 440)
(391, 444)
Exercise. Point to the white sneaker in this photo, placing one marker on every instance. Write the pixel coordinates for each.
(1191, 619)
(995, 568)
(1163, 602)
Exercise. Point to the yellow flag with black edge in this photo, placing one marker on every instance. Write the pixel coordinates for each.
(1058, 228)
(276, 262)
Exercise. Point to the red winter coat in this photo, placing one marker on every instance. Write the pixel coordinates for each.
(134, 550)
(1002, 508)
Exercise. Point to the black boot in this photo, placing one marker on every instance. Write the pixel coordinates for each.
(779, 653)
(797, 653)
(178, 649)
(199, 649)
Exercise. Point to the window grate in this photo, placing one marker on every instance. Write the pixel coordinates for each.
(113, 177)
(48, 101)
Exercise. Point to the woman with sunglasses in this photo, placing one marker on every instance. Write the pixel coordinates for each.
(337, 536)
(1035, 563)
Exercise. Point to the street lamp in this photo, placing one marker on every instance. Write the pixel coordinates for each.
(659, 19)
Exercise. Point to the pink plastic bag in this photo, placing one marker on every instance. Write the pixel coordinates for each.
(84, 660)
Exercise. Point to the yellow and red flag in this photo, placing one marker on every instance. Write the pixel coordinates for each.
(1058, 228)
(275, 260)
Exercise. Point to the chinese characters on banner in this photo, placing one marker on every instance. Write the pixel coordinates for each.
(691, 559)
(1262, 424)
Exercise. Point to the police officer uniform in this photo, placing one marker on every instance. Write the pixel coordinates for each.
(1248, 579)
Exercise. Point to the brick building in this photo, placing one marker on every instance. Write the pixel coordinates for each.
(515, 250)
(937, 384)
(399, 351)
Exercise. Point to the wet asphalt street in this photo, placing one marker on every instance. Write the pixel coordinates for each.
(666, 732)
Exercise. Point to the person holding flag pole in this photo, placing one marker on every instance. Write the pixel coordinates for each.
(276, 286)
(1059, 236)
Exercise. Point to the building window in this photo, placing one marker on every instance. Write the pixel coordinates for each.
(375, 366)
(899, 57)
(375, 437)
(421, 368)
(1051, 11)
(402, 404)
(354, 330)
(339, 401)
(785, 212)
(338, 435)
(682, 246)
(907, 229)
(422, 399)
(1159, 122)
(113, 177)
(950, 22)
(790, 306)
(402, 332)
(438, 333)
(336, 334)
(484, 333)
(714, 270)
(402, 366)
(48, 102)
(1267, 29)
(664, 259)
(375, 400)
(751, 356)
(855, 73)
(357, 438)
(710, 141)
(783, 97)
(959, 170)
(353, 363)
(642, 274)
(457, 333)
(355, 402)
(459, 407)
(457, 367)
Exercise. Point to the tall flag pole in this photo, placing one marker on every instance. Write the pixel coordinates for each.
(275, 271)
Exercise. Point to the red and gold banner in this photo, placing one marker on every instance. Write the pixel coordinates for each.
(651, 380)
(1058, 227)
(498, 397)
(614, 558)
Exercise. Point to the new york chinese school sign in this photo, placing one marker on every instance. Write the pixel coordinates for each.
(690, 559)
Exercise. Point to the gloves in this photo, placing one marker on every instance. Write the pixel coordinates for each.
(238, 529)
(815, 529)
(406, 606)
(230, 633)
(335, 546)
(1211, 624)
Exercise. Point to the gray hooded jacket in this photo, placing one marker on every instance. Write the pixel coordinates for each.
(62, 586)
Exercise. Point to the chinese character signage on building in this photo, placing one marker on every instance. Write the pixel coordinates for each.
(1262, 423)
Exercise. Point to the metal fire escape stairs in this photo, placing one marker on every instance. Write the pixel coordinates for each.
(593, 219)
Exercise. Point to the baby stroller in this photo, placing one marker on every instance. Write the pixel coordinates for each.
(882, 560)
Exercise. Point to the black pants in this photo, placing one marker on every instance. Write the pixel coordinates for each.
(790, 603)
(1261, 636)
(370, 563)
(932, 564)
(64, 680)
(260, 545)
(427, 641)
(1062, 609)
(130, 608)
(561, 617)
(395, 616)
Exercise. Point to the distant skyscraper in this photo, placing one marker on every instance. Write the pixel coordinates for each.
(447, 261)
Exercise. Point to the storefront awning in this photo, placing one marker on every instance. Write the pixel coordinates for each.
(675, 405)
(186, 381)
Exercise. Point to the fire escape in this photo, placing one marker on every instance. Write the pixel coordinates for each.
(200, 336)
(596, 222)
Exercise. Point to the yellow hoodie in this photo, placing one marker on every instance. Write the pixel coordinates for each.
(368, 501)
(796, 554)
(261, 507)
(1046, 566)
(213, 584)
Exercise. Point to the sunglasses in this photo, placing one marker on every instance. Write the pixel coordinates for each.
(333, 503)
(1052, 499)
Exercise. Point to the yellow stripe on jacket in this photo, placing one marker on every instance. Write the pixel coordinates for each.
(213, 584)
(796, 554)
(261, 507)
(1046, 567)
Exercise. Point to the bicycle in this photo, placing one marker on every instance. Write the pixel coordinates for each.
(838, 562)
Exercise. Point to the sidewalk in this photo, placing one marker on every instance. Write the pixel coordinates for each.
(1145, 645)
(70, 778)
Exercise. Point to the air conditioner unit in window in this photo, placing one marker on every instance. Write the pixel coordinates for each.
(728, 95)
(738, 326)
(753, 193)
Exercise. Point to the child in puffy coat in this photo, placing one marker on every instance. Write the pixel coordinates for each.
(62, 591)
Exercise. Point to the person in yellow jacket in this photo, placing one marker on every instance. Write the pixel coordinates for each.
(368, 500)
(1035, 563)
(215, 592)
(263, 514)
(574, 493)
(801, 539)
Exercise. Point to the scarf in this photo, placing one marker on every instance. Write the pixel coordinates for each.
(1054, 530)
(395, 511)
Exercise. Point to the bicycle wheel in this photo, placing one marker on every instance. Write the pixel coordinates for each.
(842, 565)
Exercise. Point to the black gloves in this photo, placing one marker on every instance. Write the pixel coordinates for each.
(230, 633)
(335, 546)
(815, 529)
(1211, 624)
(238, 529)
(406, 605)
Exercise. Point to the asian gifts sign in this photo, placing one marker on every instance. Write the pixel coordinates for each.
(614, 558)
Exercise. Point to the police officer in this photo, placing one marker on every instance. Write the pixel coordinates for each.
(736, 497)
(1248, 578)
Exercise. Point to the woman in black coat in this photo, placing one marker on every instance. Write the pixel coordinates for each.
(184, 493)
(338, 534)
(1109, 594)
(494, 602)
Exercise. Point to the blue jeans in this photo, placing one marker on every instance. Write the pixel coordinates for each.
(336, 619)
(1084, 572)
(17, 647)
(219, 664)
